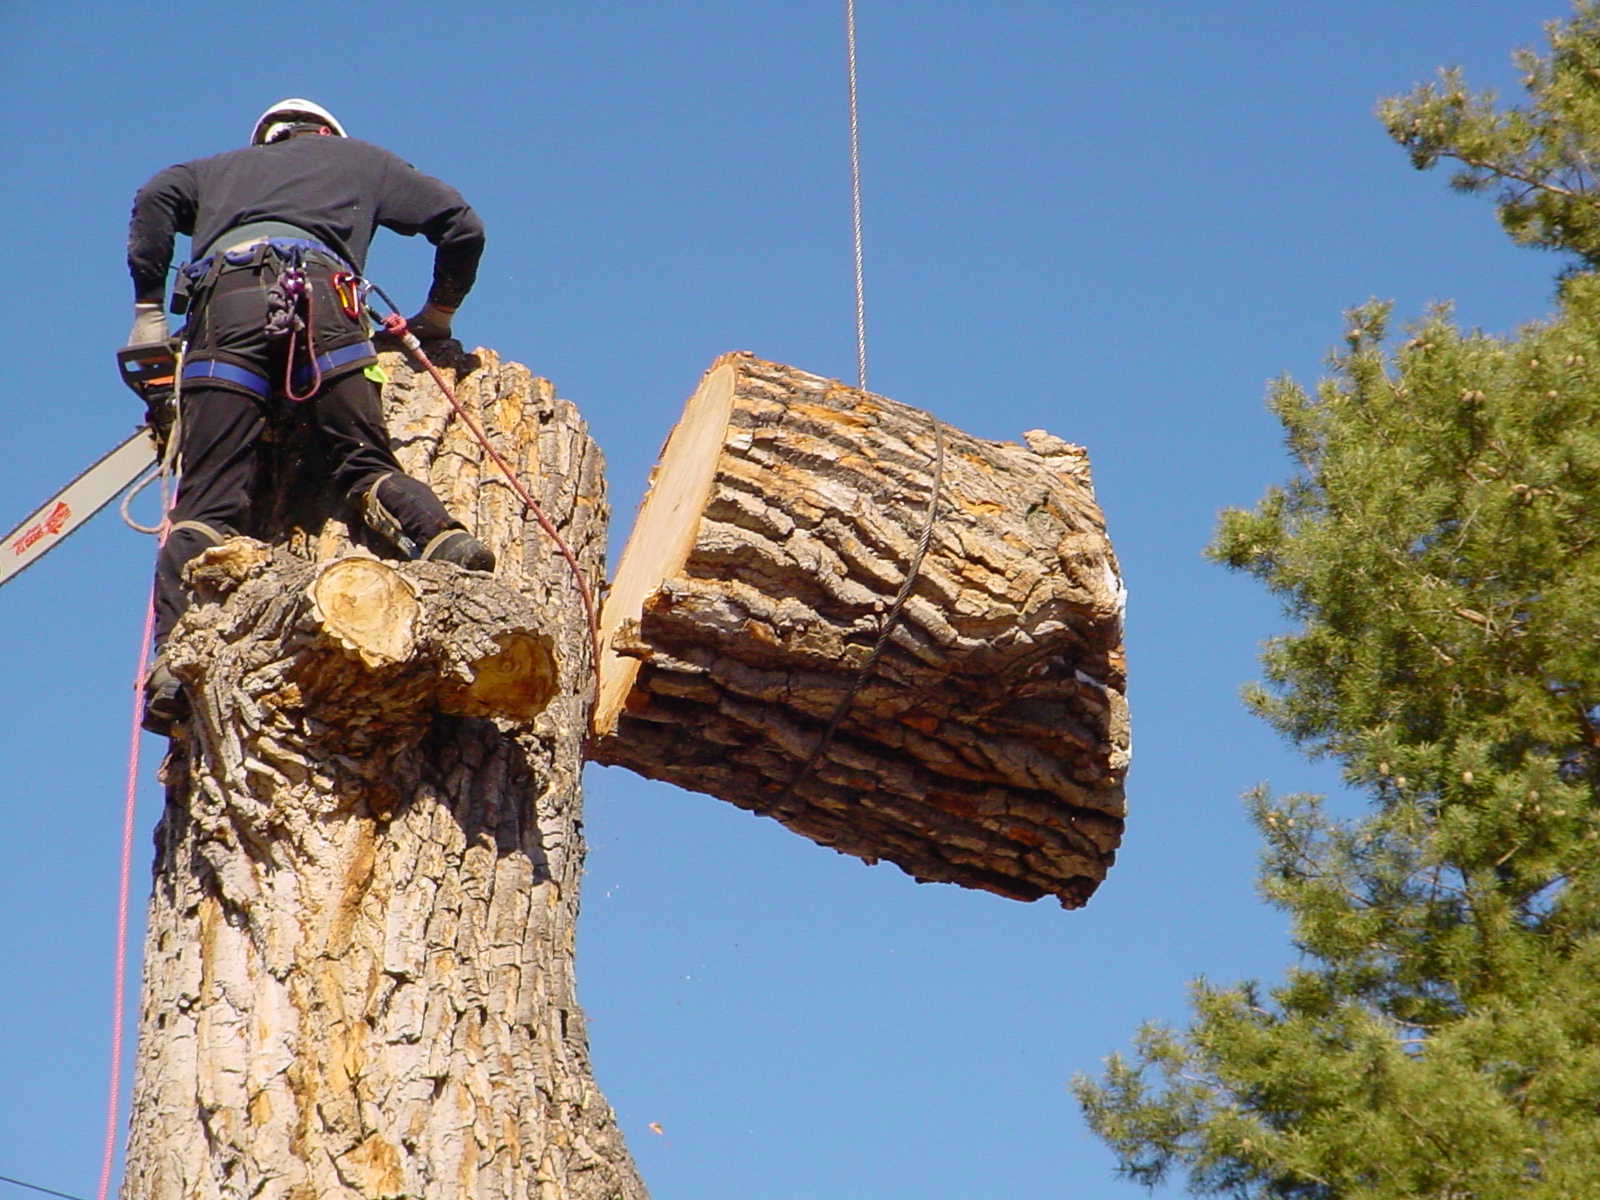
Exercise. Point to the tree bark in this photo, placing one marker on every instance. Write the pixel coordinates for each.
(988, 744)
(359, 961)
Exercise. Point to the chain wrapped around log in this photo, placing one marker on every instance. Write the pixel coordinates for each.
(987, 745)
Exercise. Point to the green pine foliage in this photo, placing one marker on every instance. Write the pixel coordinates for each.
(1438, 548)
(1539, 156)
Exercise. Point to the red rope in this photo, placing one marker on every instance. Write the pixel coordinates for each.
(396, 324)
(121, 969)
(304, 296)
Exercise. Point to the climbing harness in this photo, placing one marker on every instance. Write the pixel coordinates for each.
(290, 310)
(197, 278)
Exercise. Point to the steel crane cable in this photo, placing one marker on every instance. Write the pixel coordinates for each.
(891, 617)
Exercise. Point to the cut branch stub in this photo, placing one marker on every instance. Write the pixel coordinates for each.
(986, 747)
(368, 607)
(423, 634)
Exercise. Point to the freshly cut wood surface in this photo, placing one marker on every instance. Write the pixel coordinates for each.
(367, 606)
(988, 744)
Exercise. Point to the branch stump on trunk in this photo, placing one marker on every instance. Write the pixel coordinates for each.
(988, 744)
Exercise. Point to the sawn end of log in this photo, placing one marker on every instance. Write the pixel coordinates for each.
(357, 651)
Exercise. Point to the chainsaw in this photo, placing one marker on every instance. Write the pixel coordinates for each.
(150, 371)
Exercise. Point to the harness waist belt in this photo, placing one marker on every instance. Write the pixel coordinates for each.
(210, 368)
(256, 231)
(332, 360)
(245, 255)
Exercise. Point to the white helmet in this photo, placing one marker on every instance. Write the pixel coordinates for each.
(276, 121)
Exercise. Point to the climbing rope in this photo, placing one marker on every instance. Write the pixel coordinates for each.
(120, 970)
(165, 470)
(855, 197)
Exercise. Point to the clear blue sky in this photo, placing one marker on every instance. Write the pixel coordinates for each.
(1114, 221)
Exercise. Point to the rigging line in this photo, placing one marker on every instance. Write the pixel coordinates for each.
(890, 618)
(855, 197)
(914, 569)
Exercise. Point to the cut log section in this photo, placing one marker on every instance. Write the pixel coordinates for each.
(986, 746)
(377, 642)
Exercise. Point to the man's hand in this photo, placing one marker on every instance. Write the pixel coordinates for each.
(432, 323)
(149, 325)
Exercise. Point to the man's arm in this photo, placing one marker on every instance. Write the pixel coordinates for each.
(414, 203)
(162, 209)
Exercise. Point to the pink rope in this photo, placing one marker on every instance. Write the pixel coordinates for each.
(120, 986)
(125, 875)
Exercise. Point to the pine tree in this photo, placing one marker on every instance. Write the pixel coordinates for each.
(1438, 547)
(1540, 157)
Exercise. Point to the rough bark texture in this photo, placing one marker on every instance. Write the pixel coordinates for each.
(988, 745)
(359, 963)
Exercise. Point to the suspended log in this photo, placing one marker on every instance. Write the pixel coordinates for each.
(986, 745)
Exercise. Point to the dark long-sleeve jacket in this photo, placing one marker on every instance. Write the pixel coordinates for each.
(340, 190)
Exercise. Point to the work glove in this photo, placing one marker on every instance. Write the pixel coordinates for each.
(149, 325)
(432, 323)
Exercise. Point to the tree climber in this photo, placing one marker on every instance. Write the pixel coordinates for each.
(275, 313)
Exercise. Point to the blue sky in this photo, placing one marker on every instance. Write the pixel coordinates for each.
(1116, 222)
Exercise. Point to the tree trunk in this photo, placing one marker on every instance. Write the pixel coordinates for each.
(986, 746)
(359, 963)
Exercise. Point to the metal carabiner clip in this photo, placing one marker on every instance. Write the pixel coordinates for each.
(347, 287)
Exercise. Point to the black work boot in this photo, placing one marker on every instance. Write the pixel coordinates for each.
(459, 547)
(164, 702)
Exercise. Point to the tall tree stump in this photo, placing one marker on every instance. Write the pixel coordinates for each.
(988, 744)
(359, 962)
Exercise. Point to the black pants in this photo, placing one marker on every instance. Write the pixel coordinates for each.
(221, 429)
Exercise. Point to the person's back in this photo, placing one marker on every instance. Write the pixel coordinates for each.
(273, 296)
(339, 190)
